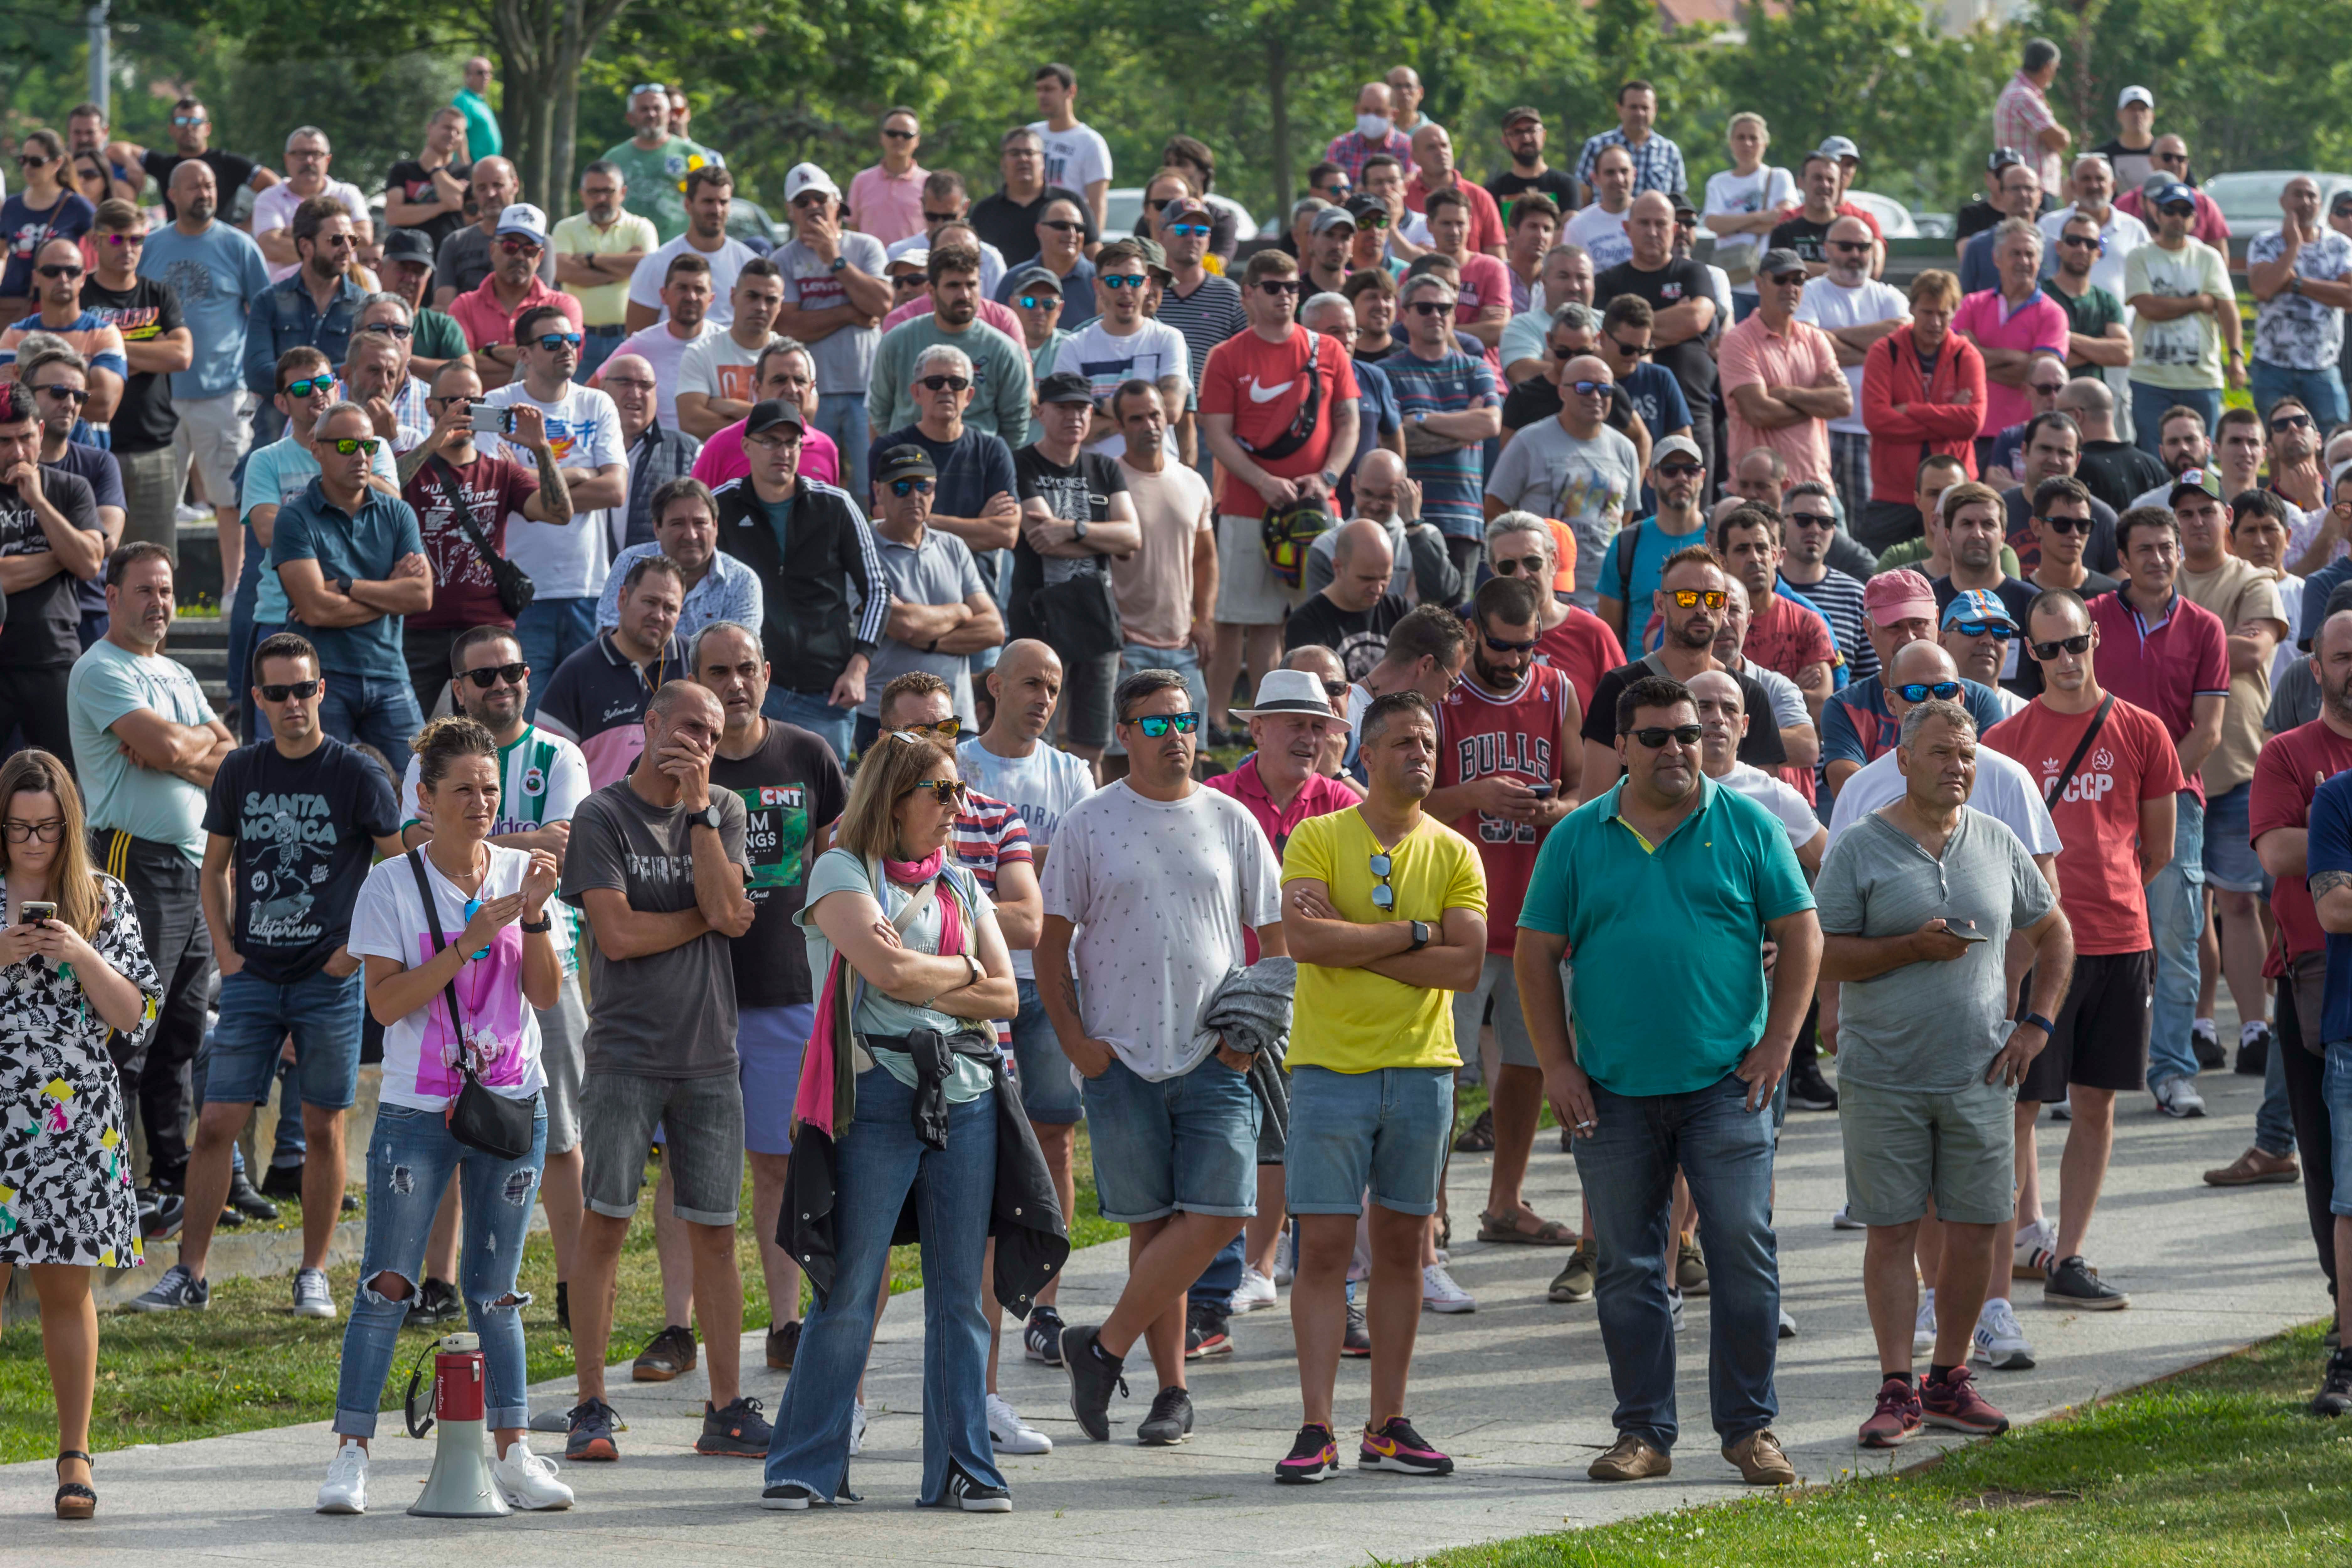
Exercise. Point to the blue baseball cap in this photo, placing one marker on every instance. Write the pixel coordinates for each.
(2173, 191)
(1977, 606)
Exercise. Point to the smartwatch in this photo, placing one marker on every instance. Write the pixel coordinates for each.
(2038, 1022)
(1079, 529)
(544, 922)
(343, 586)
(838, 263)
(709, 816)
(1420, 936)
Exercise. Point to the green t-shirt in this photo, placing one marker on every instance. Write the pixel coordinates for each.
(1001, 386)
(108, 682)
(437, 335)
(654, 180)
(2089, 316)
(482, 137)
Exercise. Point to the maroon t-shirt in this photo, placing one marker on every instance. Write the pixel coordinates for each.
(464, 594)
(2166, 666)
(2287, 774)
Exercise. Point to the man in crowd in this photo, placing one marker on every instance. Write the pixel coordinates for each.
(885, 197)
(1167, 589)
(2062, 523)
(57, 378)
(686, 324)
(2184, 313)
(1682, 309)
(710, 199)
(1857, 725)
(1600, 228)
(2019, 196)
(655, 161)
(1972, 526)
(2181, 445)
(1657, 162)
(597, 250)
(1780, 376)
(1809, 528)
(375, 374)
(2022, 116)
(1523, 141)
(1648, 1086)
(1434, 171)
(1534, 225)
(1806, 230)
(1385, 494)
(2052, 450)
(714, 386)
(1077, 157)
(1354, 613)
(1123, 344)
(1007, 220)
(654, 453)
(467, 255)
(1627, 575)
(1451, 409)
(1567, 278)
(308, 156)
(192, 133)
(940, 611)
(2012, 326)
(1855, 309)
(434, 337)
(783, 371)
(512, 289)
(145, 312)
(686, 533)
(995, 398)
(2301, 275)
(834, 299)
(428, 193)
(1573, 467)
(1376, 132)
(2129, 152)
(596, 699)
(2113, 470)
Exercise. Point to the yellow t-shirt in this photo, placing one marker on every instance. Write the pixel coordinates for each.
(607, 304)
(1352, 1020)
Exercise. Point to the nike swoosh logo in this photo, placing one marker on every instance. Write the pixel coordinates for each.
(1268, 394)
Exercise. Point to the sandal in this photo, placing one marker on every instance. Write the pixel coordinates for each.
(1478, 1137)
(75, 1500)
(1506, 1228)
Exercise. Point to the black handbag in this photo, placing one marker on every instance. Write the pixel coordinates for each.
(515, 588)
(1080, 615)
(498, 1125)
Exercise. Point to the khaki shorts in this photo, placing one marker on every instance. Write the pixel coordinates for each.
(1248, 593)
(1904, 1147)
(214, 434)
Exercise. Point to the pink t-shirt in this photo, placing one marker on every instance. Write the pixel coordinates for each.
(1485, 282)
(723, 458)
(1753, 354)
(1989, 323)
(887, 207)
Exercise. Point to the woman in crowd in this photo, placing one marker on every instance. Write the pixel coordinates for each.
(69, 973)
(922, 972)
(488, 955)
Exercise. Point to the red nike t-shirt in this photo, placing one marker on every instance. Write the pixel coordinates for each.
(1263, 385)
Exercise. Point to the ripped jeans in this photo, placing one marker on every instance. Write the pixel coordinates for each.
(409, 1161)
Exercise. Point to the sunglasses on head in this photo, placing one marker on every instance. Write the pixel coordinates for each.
(1273, 287)
(490, 675)
(1692, 598)
(944, 383)
(910, 487)
(944, 791)
(1920, 690)
(309, 384)
(348, 444)
(2079, 643)
(1121, 280)
(1656, 736)
(1811, 519)
(390, 329)
(1186, 230)
(1993, 629)
(1383, 895)
(551, 341)
(304, 690)
(2069, 524)
(59, 269)
(1157, 725)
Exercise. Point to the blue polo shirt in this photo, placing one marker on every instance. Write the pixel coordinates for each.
(1668, 988)
(312, 528)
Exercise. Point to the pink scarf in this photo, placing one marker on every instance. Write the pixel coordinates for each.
(812, 1103)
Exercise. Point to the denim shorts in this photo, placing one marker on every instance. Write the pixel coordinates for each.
(768, 1046)
(1904, 1146)
(1049, 1082)
(2335, 1089)
(319, 1011)
(2230, 863)
(701, 1121)
(1385, 1130)
(1188, 1142)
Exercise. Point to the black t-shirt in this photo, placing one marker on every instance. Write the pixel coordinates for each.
(1800, 234)
(301, 833)
(44, 627)
(230, 172)
(791, 789)
(1012, 226)
(1557, 184)
(1982, 214)
(1762, 747)
(99, 470)
(146, 310)
(2099, 549)
(1360, 637)
(2115, 472)
(2015, 596)
(1083, 489)
(1536, 399)
(1675, 283)
(415, 183)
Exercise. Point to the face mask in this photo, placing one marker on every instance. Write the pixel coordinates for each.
(1373, 127)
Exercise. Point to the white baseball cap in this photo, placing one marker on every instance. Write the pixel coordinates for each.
(2131, 95)
(804, 177)
(524, 219)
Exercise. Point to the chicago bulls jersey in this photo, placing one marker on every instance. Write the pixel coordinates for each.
(1480, 733)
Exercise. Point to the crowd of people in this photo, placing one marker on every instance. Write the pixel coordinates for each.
(751, 703)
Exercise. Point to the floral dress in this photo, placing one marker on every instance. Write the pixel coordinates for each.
(65, 1159)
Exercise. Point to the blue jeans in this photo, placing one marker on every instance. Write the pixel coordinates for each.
(876, 1161)
(2275, 1121)
(410, 1158)
(842, 416)
(1627, 1168)
(596, 346)
(2321, 391)
(2176, 914)
(320, 1011)
(835, 726)
(2147, 406)
(243, 636)
(380, 710)
(1049, 1084)
(1187, 1142)
(1221, 1277)
(551, 631)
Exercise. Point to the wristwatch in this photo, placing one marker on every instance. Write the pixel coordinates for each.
(709, 816)
(544, 922)
(838, 263)
(1420, 936)
(343, 586)
(1079, 529)
(2038, 1022)
(2293, 284)
(1330, 481)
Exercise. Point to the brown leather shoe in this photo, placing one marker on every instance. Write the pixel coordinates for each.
(1631, 1459)
(2255, 1168)
(1761, 1461)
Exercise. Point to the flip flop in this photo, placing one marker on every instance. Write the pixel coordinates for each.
(1505, 1229)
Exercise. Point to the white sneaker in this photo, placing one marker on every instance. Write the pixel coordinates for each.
(1844, 1219)
(1999, 1341)
(1285, 1262)
(345, 1488)
(1674, 1305)
(2037, 1249)
(527, 1480)
(2060, 1110)
(856, 1429)
(1255, 1290)
(1788, 1325)
(1439, 1293)
(312, 1296)
(1008, 1433)
(1923, 1329)
(2177, 1096)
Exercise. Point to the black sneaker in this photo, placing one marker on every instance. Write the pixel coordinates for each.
(247, 1201)
(589, 1425)
(563, 1305)
(784, 1344)
(2207, 1043)
(282, 1182)
(1171, 1421)
(1357, 1343)
(738, 1432)
(964, 1492)
(1808, 1090)
(790, 1498)
(436, 1302)
(1315, 1457)
(1208, 1330)
(665, 1355)
(1041, 1340)
(2254, 1053)
(1094, 1372)
(160, 1215)
(2335, 1395)
(2075, 1283)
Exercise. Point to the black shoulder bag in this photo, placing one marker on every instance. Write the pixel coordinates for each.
(499, 1126)
(2082, 749)
(515, 588)
(1301, 428)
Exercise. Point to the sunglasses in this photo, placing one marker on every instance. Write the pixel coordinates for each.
(1383, 895)
(1787, 280)
(1499, 646)
(2178, 209)
(27, 160)
(910, 487)
(1121, 280)
(1510, 566)
(1334, 689)
(59, 269)
(1157, 725)
(2080, 241)
(490, 675)
(348, 445)
(1062, 226)
(519, 247)
(1377, 219)
(309, 384)
(1690, 598)
(809, 201)
(65, 394)
(2291, 422)
(551, 341)
(1811, 519)
(1272, 287)
(2068, 524)
(944, 791)
(390, 329)
(899, 135)
(1920, 690)
(191, 120)
(2046, 388)
(2168, 158)
(944, 383)
(1680, 470)
(1656, 736)
(1993, 629)
(1854, 246)
(1186, 230)
(1631, 351)
(1035, 301)
(1430, 308)
(2079, 643)
(947, 728)
(118, 240)
(304, 690)
(905, 280)
(1591, 388)
(931, 218)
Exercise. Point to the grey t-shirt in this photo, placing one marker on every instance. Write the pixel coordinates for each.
(1931, 1027)
(844, 358)
(667, 1014)
(940, 571)
(1587, 485)
(464, 260)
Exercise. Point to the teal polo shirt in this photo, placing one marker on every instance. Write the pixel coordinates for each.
(1668, 991)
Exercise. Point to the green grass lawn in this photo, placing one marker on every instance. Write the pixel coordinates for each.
(2220, 1465)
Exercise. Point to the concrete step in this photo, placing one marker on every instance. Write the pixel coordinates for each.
(201, 642)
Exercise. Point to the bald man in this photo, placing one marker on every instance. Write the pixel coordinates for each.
(1387, 495)
(1355, 610)
(1723, 719)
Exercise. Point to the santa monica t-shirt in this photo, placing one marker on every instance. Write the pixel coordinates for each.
(300, 832)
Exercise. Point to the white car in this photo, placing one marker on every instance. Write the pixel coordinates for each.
(2250, 200)
(1894, 219)
(1123, 206)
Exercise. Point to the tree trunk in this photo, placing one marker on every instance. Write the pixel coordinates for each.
(541, 44)
(1278, 97)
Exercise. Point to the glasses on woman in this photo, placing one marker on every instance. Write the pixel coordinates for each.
(944, 791)
(1157, 725)
(49, 832)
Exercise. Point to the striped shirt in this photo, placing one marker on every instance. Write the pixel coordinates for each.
(988, 831)
(1839, 599)
(1207, 317)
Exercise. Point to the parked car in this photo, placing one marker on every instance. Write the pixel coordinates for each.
(748, 221)
(1895, 220)
(1123, 207)
(2249, 199)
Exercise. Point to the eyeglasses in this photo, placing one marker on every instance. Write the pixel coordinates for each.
(2079, 643)
(1511, 565)
(1993, 629)
(1631, 351)
(1157, 725)
(944, 383)
(2068, 524)
(301, 689)
(1680, 470)
(349, 445)
(59, 269)
(1431, 308)
(903, 280)
(1690, 598)
(809, 201)
(1499, 646)
(1920, 690)
(1185, 230)
(1656, 736)
(1062, 226)
(899, 135)
(2291, 422)
(1383, 895)
(947, 728)
(65, 394)
(1271, 287)
(490, 675)
(1591, 388)
(519, 247)
(390, 329)
(49, 832)
(944, 791)
(2080, 241)
(1039, 301)
(1121, 280)
(1811, 519)
(910, 487)
(551, 341)
(309, 384)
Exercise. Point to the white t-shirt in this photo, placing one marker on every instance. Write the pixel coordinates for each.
(2289, 594)
(1040, 787)
(991, 260)
(716, 365)
(1074, 158)
(542, 778)
(1778, 797)
(420, 1055)
(1152, 352)
(1829, 305)
(666, 351)
(2005, 792)
(566, 560)
(1159, 891)
(1742, 195)
(274, 208)
(646, 282)
(1602, 235)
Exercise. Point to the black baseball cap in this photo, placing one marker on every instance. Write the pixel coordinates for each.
(905, 461)
(409, 245)
(769, 413)
(1065, 386)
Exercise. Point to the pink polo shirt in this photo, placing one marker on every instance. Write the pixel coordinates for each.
(1318, 796)
(1753, 354)
(887, 206)
(2165, 666)
(485, 321)
(1987, 319)
(723, 458)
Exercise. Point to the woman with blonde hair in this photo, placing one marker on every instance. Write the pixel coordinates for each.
(73, 970)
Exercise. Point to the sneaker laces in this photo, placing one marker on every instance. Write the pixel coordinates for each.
(1435, 1277)
(1999, 1321)
(589, 1409)
(1313, 1438)
(348, 1465)
(1164, 1402)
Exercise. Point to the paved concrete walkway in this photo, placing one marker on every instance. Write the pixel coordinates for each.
(1519, 1394)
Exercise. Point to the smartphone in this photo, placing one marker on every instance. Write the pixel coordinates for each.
(37, 911)
(490, 421)
(1964, 929)
(1543, 791)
